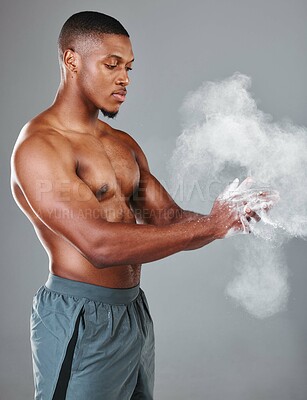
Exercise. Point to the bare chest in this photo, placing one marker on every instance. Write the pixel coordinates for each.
(108, 167)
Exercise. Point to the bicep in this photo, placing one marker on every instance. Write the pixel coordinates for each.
(56, 195)
(152, 203)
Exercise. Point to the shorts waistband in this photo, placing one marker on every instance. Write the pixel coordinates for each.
(92, 292)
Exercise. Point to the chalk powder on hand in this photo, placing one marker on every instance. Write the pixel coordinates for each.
(225, 135)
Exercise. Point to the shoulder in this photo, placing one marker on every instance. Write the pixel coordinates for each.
(39, 133)
(39, 144)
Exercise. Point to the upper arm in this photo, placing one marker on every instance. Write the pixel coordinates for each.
(151, 202)
(45, 171)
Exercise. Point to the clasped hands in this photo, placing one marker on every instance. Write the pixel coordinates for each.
(243, 206)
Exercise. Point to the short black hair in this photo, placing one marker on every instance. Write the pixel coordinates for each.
(87, 24)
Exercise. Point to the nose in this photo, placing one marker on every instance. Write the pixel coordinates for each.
(123, 78)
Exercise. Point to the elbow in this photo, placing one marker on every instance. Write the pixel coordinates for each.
(100, 258)
(103, 256)
(102, 251)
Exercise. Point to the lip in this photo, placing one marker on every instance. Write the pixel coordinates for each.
(120, 95)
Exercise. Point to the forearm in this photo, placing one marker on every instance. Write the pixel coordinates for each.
(186, 216)
(136, 244)
(167, 216)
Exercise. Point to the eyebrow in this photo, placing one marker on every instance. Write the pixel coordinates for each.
(118, 57)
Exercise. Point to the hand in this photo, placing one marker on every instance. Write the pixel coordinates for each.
(238, 206)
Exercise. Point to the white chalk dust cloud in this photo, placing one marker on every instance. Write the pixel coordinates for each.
(261, 284)
(225, 135)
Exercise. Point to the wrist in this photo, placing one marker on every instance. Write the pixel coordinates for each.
(203, 232)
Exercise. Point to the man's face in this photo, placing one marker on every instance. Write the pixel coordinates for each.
(103, 73)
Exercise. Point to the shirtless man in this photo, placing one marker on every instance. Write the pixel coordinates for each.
(100, 214)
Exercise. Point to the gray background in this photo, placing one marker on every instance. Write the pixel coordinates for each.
(207, 348)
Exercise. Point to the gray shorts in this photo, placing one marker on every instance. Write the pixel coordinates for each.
(91, 342)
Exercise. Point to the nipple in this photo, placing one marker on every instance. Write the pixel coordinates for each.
(100, 192)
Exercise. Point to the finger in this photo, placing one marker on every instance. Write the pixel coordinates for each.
(251, 214)
(244, 225)
(234, 189)
(256, 196)
(267, 195)
(229, 189)
(260, 206)
(271, 196)
(246, 184)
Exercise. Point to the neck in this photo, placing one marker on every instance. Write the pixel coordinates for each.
(73, 111)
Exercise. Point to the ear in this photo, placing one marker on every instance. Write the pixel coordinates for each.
(70, 59)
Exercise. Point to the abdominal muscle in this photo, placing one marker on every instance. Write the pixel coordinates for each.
(79, 269)
(67, 262)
